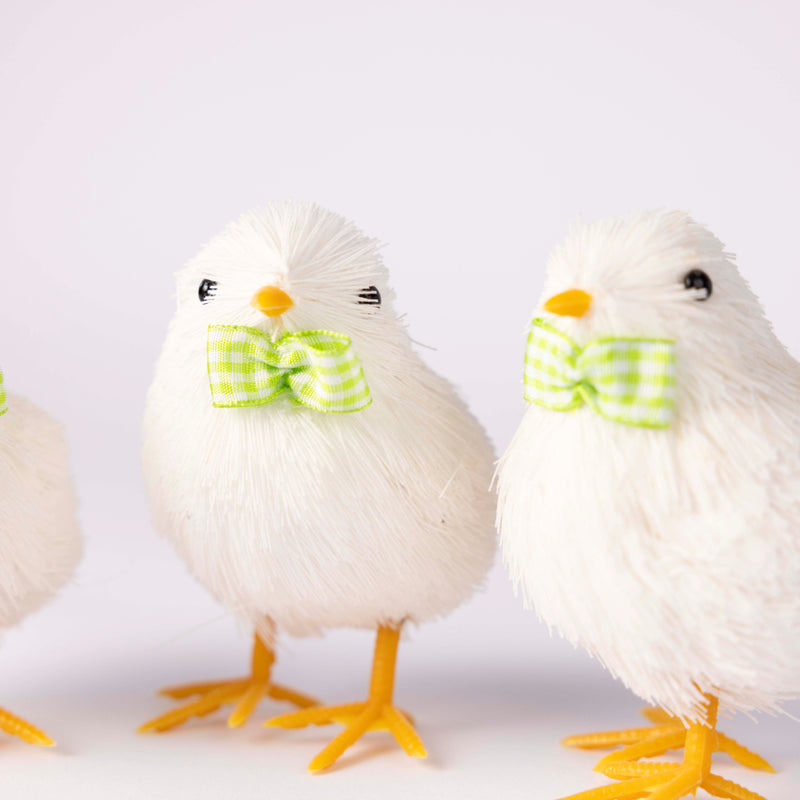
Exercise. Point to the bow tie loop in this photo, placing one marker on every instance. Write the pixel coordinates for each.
(318, 368)
(627, 380)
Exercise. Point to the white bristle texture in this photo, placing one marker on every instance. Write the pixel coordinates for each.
(671, 555)
(40, 542)
(315, 520)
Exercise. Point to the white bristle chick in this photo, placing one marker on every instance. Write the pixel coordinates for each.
(40, 541)
(662, 534)
(366, 511)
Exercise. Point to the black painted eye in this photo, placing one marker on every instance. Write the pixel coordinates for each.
(369, 297)
(697, 279)
(207, 290)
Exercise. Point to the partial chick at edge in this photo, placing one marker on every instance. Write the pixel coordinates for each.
(672, 555)
(40, 541)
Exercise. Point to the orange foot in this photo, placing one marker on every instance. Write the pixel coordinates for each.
(667, 781)
(668, 733)
(376, 714)
(245, 693)
(16, 726)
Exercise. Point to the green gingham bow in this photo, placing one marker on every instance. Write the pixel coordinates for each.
(3, 398)
(625, 380)
(319, 368)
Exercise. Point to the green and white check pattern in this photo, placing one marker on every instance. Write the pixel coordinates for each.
(625, 380)
(319, 369)
(3, 398)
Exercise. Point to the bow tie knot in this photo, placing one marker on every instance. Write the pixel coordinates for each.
(627, 380)
(318, 368)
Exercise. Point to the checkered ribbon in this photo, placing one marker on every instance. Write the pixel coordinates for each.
(625, 380)
(3, 398)
(319, 368)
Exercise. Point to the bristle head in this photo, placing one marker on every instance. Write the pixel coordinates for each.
(662, 274)
(331, 270)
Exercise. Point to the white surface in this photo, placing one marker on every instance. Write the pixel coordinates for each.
(466, 136)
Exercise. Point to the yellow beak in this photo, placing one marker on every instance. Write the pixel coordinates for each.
(272, 301)
(572, 303)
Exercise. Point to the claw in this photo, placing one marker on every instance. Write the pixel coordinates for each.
(745, 757)
(606, 739)
(655, 745)
(190, 689)
(660, 717)
(22, 729)
(348, 737)
(719, 787)
(628, 790)
(247, 703)
(321, 715)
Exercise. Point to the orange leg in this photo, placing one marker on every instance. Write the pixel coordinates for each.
(375, 714)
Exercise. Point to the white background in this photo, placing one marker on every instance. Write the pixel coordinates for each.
(464, 134)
